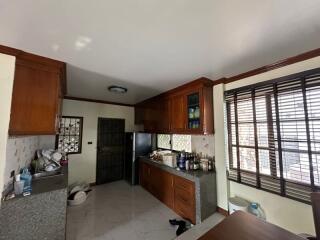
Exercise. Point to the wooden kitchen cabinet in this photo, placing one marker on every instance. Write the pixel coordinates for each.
(164, 183)
(184, 198)
(178, 113)
(38, 89)
(187, 109)
(176, 192)
(164, 115)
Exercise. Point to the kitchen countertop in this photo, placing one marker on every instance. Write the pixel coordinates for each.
(46, 184)
(205, 187)
(191, 175)
(43, 212)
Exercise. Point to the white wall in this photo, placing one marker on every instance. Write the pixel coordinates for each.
(7, 66)
(82, 167)
(219, 147)
(287, 213)
(292, 215)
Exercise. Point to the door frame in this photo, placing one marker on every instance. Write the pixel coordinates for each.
(97, 144)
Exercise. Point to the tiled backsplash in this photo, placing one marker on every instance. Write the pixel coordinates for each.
(21, 150)
(203, 144)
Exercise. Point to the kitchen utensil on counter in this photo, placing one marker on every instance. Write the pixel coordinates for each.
(56, 156)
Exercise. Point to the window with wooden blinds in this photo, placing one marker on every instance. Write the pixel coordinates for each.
(274, 135)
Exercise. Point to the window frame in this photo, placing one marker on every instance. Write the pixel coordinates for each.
(80, 134)
(283, 182)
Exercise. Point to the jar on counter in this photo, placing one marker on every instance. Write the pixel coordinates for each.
(204, 165)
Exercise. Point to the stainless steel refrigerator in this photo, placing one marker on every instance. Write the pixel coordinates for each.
(136, 144)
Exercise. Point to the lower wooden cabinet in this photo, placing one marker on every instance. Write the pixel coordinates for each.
(176, 192)
(184, 198)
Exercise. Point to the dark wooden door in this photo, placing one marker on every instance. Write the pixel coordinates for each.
(110, 151)
(178, 113)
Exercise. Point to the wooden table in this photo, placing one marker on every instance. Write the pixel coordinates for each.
(244, 226)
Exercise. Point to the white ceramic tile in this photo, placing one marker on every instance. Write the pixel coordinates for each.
(19, 153)
(118, 211)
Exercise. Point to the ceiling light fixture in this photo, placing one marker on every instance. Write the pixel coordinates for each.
(117, 89)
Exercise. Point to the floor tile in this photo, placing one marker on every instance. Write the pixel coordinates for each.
(118, 211)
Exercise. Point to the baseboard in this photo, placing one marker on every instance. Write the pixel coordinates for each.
(222, 211)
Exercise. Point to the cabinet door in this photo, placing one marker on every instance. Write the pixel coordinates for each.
(184, 198)
(194, 111)
(153, 180)
(166, 188)
(178, 113)
(34, 101)
(150, 118)
(163, 115)
(144, 175)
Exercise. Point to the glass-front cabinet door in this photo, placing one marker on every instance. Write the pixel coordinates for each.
(194, 111)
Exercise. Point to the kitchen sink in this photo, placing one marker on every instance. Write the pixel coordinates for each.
(41, 175)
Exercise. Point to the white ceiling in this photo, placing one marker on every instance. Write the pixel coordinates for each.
(150, 46)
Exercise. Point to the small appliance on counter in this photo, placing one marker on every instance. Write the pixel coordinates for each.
(165, 157)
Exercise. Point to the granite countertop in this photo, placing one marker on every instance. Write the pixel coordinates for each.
(47, 184)
(191, 175)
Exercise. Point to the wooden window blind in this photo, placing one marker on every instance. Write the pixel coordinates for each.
(274, 135)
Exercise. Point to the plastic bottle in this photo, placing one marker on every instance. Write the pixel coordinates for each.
(27, 178)
(256, 210)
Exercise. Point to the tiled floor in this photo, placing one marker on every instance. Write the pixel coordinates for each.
(118, 211)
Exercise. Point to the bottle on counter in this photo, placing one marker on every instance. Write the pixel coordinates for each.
(210, 166)
(191, 164)
(187, 165)
(182, 160)
(27, 178)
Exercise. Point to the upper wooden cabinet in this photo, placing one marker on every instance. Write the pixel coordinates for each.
(178, 113)
(38, 89)
(186, 109)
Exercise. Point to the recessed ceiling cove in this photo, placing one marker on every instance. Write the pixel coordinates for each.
(149, 46)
